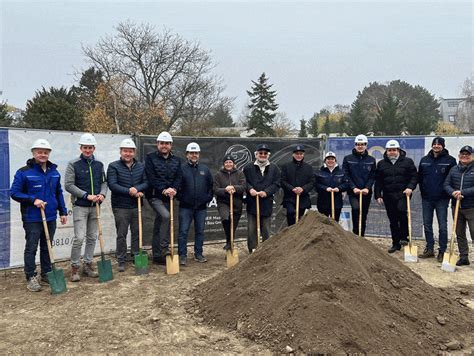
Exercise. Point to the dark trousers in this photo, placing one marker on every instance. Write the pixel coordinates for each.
(291, 213)
(186, 217)
(34, 235)
(354, 200)
(226, 226)
(252, 230)
(465, 218)
(125, 218)
(161, 228)
(441, 208)
(337, 213)
(398, 218)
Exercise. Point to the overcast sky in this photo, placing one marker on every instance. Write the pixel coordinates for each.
(315, 53)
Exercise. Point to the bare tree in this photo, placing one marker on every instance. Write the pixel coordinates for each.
(465, 118)
(282, 125)
(160, 78)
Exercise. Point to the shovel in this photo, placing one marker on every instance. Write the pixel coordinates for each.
(56, 279)
(257, 198)
(172, 261)
(297, 208)
(410, 250)
(141, 260)
(333, 210)
(104, 266)
(231, 255)
(360, 214)
(450, 258)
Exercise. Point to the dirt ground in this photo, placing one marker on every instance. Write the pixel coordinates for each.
(150, 313)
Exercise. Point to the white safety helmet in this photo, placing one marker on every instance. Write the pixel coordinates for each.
(392, 144)
(361, 139)
(193, 147)
(87, 139)
(127, 143)
(164, 137)
(330, 154)
(41, 143)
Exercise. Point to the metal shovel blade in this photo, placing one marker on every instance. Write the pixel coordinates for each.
(56, 280)
(141, 263)
(411, 253)
(172, 264)
(449, 262)
(232, 257)
(105, 270)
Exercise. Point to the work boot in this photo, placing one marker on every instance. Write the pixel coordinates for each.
(33, 284)
(227, 247)
(159, 260)
(166, 252)
(427, 253)
(403, 242)
(75, 274)
(440, 256)
(89, 271)
(121, 267)
(394, 248)
(463, 261)
(44, 279)
(182, 260)
(200, 258)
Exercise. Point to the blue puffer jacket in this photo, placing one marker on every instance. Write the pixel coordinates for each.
(196, 186)
(335, 179)
(162, 173)
(432, 172)
(121, 178)
(461, 178)
(31, 183)
(359, 170)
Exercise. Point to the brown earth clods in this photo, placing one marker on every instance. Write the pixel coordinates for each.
(315, 288)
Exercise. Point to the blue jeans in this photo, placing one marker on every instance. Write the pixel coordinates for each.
(186, 216)
(34, 234)
(441, 208)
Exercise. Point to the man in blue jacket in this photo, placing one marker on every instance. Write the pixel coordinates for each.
(196, 191)
(359, 168)
(127, 181)
(85, 180)
(432, 172)
(163, 171)
(460, 185)
(37, 186)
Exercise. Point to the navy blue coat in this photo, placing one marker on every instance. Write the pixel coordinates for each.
(432, 173)
(269, 182)
(31, 183)
(196, 186)
(162, 173)
(121, 178)
(461, 178)
(359, 170)
(297, 174)
(327, 179)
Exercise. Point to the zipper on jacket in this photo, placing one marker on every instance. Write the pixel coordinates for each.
(92, 181)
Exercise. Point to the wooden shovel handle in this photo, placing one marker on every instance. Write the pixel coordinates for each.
(360, 214)
(172, 226)
(297, 208)
(333, 210)
(140, 231)
(99, 225)
(231, 213)
(257, 198)
(46, 234)
(409, 220)
(455, 222)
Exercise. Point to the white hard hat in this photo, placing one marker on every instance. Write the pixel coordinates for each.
(41, 143)
(127, 143)
(87, 139)
(164, 137)
(361, 139)
(392, 144)
(193, 147)
(330, 154)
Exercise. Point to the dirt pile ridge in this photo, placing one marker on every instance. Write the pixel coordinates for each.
(317, 288)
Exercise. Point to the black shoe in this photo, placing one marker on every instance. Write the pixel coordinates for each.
(403, 242)
(166, 252)
(200, 258)
(427, 253)
(394, 248)
(227, 247)
(121, 267)
(463, 261)
(159, 261)
(182, 260)
(440, 256)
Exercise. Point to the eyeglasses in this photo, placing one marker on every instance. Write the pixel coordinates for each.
(467, 154)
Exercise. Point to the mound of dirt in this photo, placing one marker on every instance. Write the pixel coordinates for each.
(316, 288)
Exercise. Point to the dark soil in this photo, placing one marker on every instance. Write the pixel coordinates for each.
(316, 288)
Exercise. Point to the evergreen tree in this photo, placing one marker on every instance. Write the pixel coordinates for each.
(327, 126)
(388, 121)
(262, 107)
(221, 116)
(313, 125)
(357, 123)
(5, 118)
(303, 132)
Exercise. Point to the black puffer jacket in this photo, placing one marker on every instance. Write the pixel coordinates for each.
(121, 178)
(297, 174)
(392, 179)
(461, 178)
(162, 173)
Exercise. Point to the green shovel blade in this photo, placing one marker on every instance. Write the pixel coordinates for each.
(141, 263)
(56, 280)
(105, 270)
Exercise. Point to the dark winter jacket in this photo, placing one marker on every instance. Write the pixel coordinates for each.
(31, 183)
(162, 173)
(432, 173)
(461, 178)
(268, 182)
(297, 174)
(121, 178)
(392, 179)
(85, 177)
(196, 186)
(222, 179)
(359, 170)
(327, 179)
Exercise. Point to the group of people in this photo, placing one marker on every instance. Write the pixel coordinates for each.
(164, 177)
